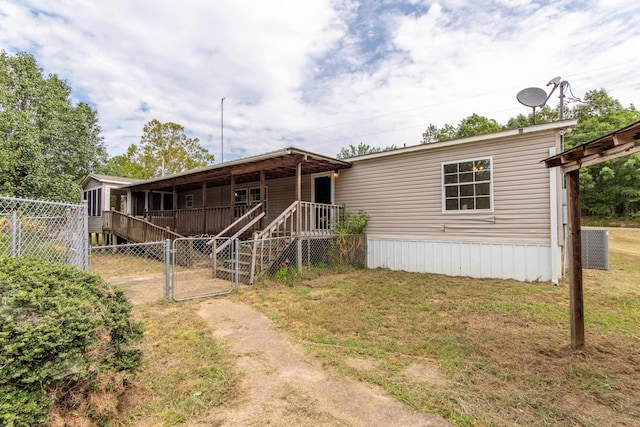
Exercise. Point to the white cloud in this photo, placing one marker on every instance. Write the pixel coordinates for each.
(315, 74)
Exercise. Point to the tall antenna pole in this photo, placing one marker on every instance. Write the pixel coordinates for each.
(222, 130)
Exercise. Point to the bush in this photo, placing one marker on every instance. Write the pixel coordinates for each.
(65, 341)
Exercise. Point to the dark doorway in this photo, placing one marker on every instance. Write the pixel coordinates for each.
(322, 194)
(322, 190)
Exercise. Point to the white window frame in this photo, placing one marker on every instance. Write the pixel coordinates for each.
(188, 202)
(247, 199)
(239, 191)
(458, 184)
(95, 201)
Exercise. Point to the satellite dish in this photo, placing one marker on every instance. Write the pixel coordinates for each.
(532, 97)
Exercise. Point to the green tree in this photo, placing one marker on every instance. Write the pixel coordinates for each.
(469, 126)
(361, 150)
(124, 165)
(546, 115)
(434, 134)
(477, 125)
(612, 187)
(47, 144)
(164, 149)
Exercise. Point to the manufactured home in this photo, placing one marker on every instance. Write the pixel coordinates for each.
(483, 206)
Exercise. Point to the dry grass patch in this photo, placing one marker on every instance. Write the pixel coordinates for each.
(185, 374)
(479, 352)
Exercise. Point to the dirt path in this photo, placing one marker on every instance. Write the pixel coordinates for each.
(284, 386)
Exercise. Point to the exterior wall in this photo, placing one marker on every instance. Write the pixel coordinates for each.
(403, 194)
(483, 260)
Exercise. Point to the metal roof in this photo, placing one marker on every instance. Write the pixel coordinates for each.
(276, 164)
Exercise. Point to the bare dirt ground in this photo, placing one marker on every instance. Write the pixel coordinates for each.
(282, 385)
(285, 386)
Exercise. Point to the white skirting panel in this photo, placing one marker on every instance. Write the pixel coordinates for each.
(488, 260)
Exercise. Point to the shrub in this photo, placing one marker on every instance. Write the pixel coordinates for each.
(65, 340)
(350, 228)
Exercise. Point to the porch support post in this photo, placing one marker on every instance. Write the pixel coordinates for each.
(204, 205)
(574, 246)
(232, 201)
(174, 221)
(262, 195)
(299, 214)
(148, 201)
(175, 198)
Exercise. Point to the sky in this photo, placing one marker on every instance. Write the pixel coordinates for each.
(320, 74)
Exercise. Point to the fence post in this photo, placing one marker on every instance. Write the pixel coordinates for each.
(167, 268)
(214, 259)
(236, 268)
(14, 233)
(83, 238)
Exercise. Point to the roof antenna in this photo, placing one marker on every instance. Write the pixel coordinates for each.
(536, 97)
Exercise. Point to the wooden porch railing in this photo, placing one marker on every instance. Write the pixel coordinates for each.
(198, 221)
(134, 229)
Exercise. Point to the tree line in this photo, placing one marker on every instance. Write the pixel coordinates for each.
(48, 144)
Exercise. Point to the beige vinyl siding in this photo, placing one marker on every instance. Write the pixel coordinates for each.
(92, 183)
(403, 192)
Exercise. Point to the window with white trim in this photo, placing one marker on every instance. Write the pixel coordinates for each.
(467, 185)
(251, 196)
(189, 200)
(94, 201)
(241, 196)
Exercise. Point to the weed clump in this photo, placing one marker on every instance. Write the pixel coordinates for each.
(66, 343)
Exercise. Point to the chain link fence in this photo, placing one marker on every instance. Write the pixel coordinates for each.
(200, 267)
(56, 232)
(278, 257)
(141, 269)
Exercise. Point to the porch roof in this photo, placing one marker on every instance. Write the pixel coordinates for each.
(618, 143)
(277, 164)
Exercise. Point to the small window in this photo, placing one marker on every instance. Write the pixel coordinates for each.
(241, 197)
(467, 185)
(189, 200)
(254, 195)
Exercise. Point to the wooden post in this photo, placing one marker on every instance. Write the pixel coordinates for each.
(298, 213)
(204, 205)
(574, 246)
(262, 196)
(233, 200)
(175, 199)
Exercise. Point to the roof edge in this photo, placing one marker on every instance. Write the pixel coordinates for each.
(557, 125)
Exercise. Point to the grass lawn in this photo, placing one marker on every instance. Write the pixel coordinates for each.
(478, 352)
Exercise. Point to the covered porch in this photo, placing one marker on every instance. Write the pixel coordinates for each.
(256, 190)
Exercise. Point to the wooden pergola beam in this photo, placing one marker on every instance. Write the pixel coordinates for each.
(620, 143)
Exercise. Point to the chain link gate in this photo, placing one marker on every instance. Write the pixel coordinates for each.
(142, 269)
(56, 232)
(203, 267)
